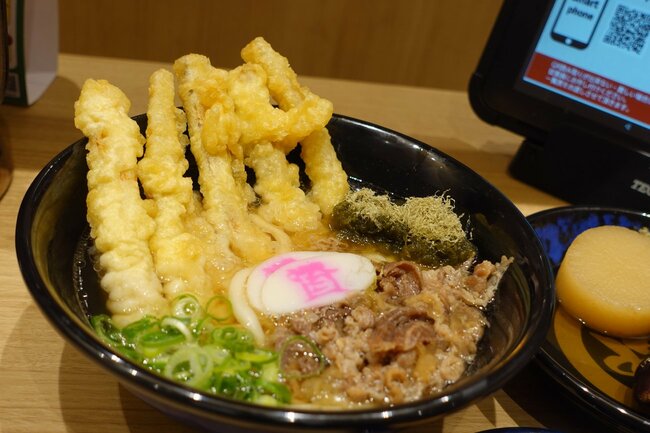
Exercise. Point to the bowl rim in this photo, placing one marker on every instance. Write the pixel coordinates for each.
(571, 208)
(192, 401)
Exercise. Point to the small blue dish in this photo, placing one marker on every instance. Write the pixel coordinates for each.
(596, 370)
(557, 228)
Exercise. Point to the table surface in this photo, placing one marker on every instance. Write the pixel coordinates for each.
(46, 385)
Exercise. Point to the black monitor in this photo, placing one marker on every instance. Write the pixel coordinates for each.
(573, 77)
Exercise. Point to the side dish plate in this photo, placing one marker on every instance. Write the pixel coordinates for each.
(597, 370)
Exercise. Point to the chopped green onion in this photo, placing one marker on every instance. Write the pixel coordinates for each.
(266, 400)
(233, 338)
(233, 366)
(154, 343)
(270, 372)
(195, 346)
(301, 358)
(278, 391)
(219, 308)
(186, 307)
(174, 323)
(191, 365)
(105, 329)
(202, 331)
(257, 356)
(233, 385)
(132, 330)
(217, 353)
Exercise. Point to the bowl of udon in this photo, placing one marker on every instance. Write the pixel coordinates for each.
(358, 280)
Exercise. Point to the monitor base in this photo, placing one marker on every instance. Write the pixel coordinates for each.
(582, 169)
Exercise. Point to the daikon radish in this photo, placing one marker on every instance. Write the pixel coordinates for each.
(604, 281)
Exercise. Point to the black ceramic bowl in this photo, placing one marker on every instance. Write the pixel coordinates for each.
(52, 220)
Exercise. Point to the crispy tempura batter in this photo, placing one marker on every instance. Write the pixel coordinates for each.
(224, 201)
(329, 181)
(177, 240)
(178, 254)
(278, 184)
(258, 119)
(283, 81)
(117, 215)
(307, 111)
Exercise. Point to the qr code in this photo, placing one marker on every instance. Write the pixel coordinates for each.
(628, 29)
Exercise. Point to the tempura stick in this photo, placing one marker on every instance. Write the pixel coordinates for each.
(120, 225)
(307, 112)
(178, 254)
(329, 181)
(283, 81)
(278, 184)
(258, 119)
(284, 204)
(223, 196)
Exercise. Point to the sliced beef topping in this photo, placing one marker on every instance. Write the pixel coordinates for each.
(309, 321)
(400, 330)
(300, 358)
(399, 280)
(413, 336)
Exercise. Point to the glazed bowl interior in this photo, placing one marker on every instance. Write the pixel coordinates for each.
(52, 220)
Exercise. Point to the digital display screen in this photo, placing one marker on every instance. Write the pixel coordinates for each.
(595, 53)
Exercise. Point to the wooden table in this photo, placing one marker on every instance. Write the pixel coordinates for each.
(47, 386)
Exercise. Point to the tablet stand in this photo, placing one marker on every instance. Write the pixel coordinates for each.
(587, 170)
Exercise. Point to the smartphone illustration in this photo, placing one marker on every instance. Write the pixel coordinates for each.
(576, 22)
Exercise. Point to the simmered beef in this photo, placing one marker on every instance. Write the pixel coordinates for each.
(399, 280)
(400, 330)
(412, 336)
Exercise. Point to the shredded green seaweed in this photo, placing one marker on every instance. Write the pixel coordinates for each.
(422, 229)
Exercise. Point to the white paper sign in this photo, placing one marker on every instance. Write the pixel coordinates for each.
(33, 27)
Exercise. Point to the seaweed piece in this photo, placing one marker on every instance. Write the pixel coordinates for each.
(422, 229)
